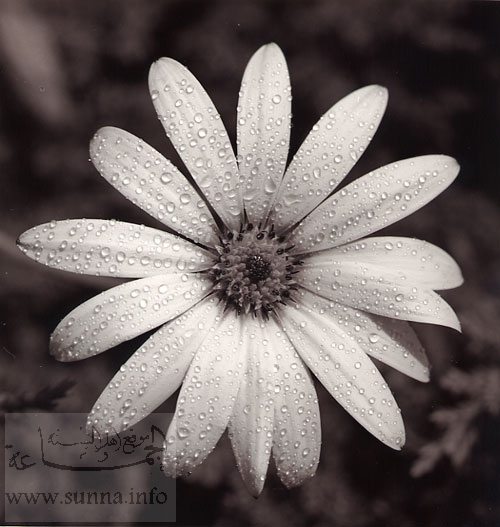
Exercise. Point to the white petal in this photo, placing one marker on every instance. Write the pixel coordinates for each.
(154, 372)
(207, 398)
(392, 342)
(329, 152)
(374, 201)
(297, 429)
(198, 134)
(152, 183)
(411, 259)
(124, 312)
(376, 289)
(251, 425)
(263, 129)
(111, 248)
(346, 372)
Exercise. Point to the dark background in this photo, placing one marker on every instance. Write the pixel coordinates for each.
(68, 67)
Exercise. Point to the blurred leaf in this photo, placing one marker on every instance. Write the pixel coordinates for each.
(45, 398)
(31, 58)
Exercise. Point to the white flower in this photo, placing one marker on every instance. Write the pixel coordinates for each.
(269, 277)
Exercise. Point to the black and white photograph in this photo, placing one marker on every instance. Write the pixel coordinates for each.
(250, 263)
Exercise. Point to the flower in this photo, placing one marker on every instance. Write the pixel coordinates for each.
(267, 277)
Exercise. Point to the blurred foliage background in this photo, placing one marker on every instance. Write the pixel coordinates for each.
(69, 67)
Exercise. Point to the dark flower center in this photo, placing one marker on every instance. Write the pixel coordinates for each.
(257, 268)
(254, 271)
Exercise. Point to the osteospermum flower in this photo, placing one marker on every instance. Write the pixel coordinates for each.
(269, 276)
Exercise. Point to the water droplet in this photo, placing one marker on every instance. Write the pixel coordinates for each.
(185, 198)
(270, 186)
(291, 199)
(183, 432)
(250, 194)
(166, 177)
(206, 182)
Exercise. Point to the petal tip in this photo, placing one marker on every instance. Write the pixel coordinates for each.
(453, 165)
(172, 467)
(398, 442)
(21, 241)
(382, 91)
(424, 377)
(27, 242)
(157, 63)
(268, 46)
(97, 427)
(255, 487)
(55, 351)
(160, 67)
(96, 141)
(272, 46)
(376, 91)
(59, 352)
(268, 53)
(93, 144)
(393, 433)
(294, 480)
(453, 322)
(449, 166)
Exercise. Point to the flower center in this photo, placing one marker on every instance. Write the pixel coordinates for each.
(257, 268)
(254, 272)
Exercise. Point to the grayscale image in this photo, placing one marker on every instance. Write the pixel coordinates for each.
(249, 262)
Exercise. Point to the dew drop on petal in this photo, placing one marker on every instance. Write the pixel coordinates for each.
(183, 432)
(291, 199)
(270, 186)
(185, 198)
(206, 182)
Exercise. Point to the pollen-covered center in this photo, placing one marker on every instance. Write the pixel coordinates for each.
(257, 268)
(254, 271)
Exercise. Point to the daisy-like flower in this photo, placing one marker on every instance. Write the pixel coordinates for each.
(268, 277)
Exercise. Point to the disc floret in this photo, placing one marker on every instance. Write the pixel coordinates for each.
(254, 271)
